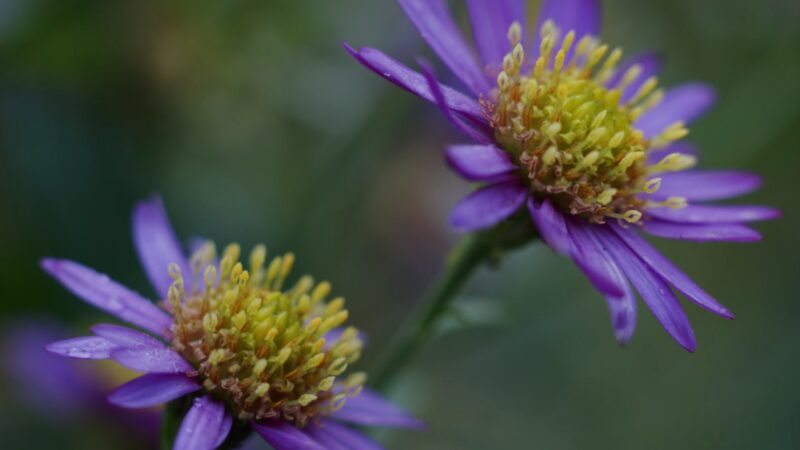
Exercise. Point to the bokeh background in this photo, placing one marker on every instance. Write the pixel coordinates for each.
(255, 126)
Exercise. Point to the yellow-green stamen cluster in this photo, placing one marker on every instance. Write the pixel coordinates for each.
(570, 132)
(258, 346)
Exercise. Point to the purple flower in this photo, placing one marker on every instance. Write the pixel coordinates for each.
(237, 342)
(590, 148)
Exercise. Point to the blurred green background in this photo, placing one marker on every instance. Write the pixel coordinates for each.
(255, 126)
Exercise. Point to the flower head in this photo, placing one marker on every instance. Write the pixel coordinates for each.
(587, 142)
(242, 343)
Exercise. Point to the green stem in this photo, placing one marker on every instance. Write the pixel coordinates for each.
(477, 249)
(463, 262)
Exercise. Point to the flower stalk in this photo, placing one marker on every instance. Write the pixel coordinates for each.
(464, 260)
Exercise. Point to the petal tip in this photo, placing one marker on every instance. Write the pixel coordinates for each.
(53, 348)
(349, 49)
(49, 264)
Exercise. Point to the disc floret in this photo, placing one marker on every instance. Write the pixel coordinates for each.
(571, 131)
(258, 347)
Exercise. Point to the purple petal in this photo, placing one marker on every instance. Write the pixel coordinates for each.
(622, 309)
(98, 290)
(702, 232)
(551, 225)
(488, 206)
(203, 425)
(671, 274)
(152, 389)
(151, 360)
(654, 291)
(414, 82)
(684, 103)
(157, 245)
(437, 27)
(125, 337)
(484, 136)
(588, 254)
(87, 347)
(650, 65)
(683, 147)
(284, 436)
(581, 16)
(491, 20)
(52, 386)
(479, 162)
(371, 409)
(705, 186)
(714, 214)
(623, 315)
(334, 436)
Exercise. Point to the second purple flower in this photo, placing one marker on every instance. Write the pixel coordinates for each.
(586, 143)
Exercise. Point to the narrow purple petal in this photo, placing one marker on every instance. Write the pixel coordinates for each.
(588, 254)
(551, 225)
(596, 261)
(488, 206)
(103, 293)
(706, 186)
(654, 291)
(650, 65)
(151, 360)
(125, 337)
(412, 81)
(622, 309)
(684, 103)
(581, 16)
(682, 147)
(371, 409)
(623, 315)
(152, 389)
(87, 347)
(284, 436)
(715, 213)
(482, 136)
(157, 245)
(671, 274)
(722, 232)
(479, 162)
(491, 20)
(52, 386)
(203, 425)
(437, 27)
(334, 436)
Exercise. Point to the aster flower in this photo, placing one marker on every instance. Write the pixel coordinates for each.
(587, 148)
(241, 350)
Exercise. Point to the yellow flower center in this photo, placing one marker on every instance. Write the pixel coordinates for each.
(570, 132)
(258, 347)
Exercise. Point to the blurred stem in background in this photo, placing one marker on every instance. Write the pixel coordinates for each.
(475, 250)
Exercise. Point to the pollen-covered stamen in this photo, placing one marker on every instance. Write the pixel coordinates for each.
(570, 130)
(258, 347)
